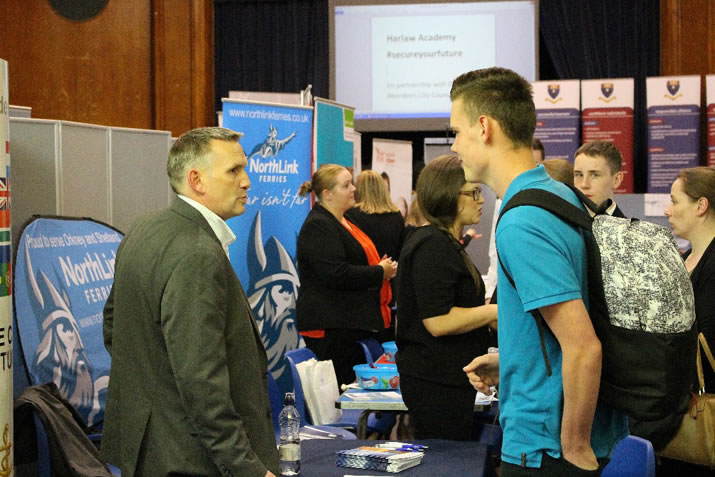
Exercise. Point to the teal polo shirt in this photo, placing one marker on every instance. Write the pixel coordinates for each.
(547, 260)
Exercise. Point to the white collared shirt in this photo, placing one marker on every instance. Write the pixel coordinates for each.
(223, 232)
(609, 210)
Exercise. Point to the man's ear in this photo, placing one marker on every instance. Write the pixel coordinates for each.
(617, 179)
(486, 129)
(195, 181)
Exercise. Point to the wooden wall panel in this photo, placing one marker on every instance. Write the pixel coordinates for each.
(687, 37)
(140, 63)
(95, 71)
(183, 48)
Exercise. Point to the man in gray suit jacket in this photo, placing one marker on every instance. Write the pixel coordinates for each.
(188, 386)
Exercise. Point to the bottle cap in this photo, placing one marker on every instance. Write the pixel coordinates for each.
(289, 399)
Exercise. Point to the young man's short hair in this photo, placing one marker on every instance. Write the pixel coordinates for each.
(603, 149)
(502, 95)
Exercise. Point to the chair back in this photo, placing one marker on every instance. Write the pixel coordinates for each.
(632, 457)
(294, 357)
(372, 349)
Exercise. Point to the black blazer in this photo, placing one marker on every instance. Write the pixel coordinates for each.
(617, 212)
(386, 230)
(338, 288)
(703, 279)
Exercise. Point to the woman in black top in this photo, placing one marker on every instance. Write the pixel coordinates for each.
(376, 215)
(442, 320)
(381, 220)
(692, 217)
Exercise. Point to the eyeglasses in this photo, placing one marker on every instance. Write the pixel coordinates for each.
(474, 193)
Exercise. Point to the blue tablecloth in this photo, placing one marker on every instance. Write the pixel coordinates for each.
(441, 458)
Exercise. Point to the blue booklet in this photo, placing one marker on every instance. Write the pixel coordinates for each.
(376, 458)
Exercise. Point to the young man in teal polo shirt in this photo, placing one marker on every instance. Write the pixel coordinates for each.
(552, 425)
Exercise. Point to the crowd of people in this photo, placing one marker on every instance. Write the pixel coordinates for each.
(187, 390)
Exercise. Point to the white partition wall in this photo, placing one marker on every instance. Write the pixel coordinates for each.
(34, 175)
(85, 170)
(138, 180)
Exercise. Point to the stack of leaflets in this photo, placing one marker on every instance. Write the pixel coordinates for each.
(379, 458)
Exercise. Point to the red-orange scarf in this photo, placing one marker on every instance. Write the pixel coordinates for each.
(373, 259)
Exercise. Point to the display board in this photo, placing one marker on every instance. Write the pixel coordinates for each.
(557, 117)
(395, 159)
(333, 134)
(277, 142)
(607, 115)
(6, 333)
(673, 128)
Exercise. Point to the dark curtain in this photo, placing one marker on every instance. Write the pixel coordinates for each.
(275, 45)
(589, 39)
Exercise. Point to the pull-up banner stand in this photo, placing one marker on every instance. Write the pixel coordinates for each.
(607, 115)
(333, 134)
(6, 332)
(557, 117)
(64, 270)
(394, 158)
(673, 128)
(277, 142)
(710, 100)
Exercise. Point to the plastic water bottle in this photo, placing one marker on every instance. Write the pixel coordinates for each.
(289, 445)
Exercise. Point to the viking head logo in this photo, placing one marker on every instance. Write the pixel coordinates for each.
(673, 86)
(60, 357)
(554, 90)
(606, 90)
(273, 291)
(271, 145)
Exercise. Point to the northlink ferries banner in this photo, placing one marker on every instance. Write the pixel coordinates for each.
(607, 115)
(63, 275)
(277, 141)
(673, 128)
(557, 117)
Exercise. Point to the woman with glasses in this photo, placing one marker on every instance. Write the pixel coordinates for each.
(442, 319)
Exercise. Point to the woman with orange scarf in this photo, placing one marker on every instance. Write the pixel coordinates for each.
(344, 284)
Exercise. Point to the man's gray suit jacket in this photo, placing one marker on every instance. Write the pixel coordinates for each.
(188, 387)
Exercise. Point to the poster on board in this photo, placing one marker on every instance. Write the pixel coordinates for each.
(557, 117)
(607, 115)
(333, 133)
(673, 128)
(394, 158)
(277, 142)
(6, 334)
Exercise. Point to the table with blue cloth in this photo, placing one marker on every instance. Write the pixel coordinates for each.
(441, 458)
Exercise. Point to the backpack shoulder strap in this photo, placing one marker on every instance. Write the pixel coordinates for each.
(551, 202)
(562, 209)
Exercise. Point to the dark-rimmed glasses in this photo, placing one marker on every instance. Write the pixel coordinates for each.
(474, 193)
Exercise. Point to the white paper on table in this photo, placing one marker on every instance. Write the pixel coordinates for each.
(374, 395)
